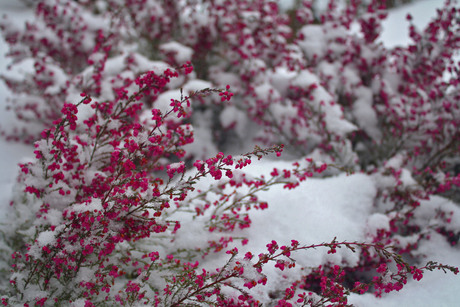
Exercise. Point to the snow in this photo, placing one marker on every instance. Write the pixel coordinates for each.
(395, 27)
(180, 52)
(365, 114)
(196, 85)
(10, 155)
(95, 205)
(311, 45)
(377, 221)
(233, 116)
(320, 209)
(46, 237)
(322, 102)
(316, 212)
(281, 78)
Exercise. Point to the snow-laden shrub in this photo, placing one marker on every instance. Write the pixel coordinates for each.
(134, 101)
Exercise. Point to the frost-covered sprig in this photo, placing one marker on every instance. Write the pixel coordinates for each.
(228, 202)
(94, 189)
(231, 284)
(332, 286)
(97, 189)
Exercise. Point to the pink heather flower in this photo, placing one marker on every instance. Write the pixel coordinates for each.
(382, 268)
(233, 251)
(417, 273)
(272, 247)
(132, 287)
(175, 167)
(280, 265)
(41, 302)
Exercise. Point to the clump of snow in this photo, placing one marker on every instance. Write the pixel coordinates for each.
(365, 115)
(203, 145)
(377, 221)
(46, 237)
(266, 91)
(342, 203)
(221, 79)
(180, 52)
(313, 43)
(281, 79)
(92, 206)
(232, 117)
(395, 162)
(164, 100)
(429, 212)
(323, 102)
(196, 85)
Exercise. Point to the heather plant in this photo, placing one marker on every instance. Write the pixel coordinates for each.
(99, 218)
(137, 100)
